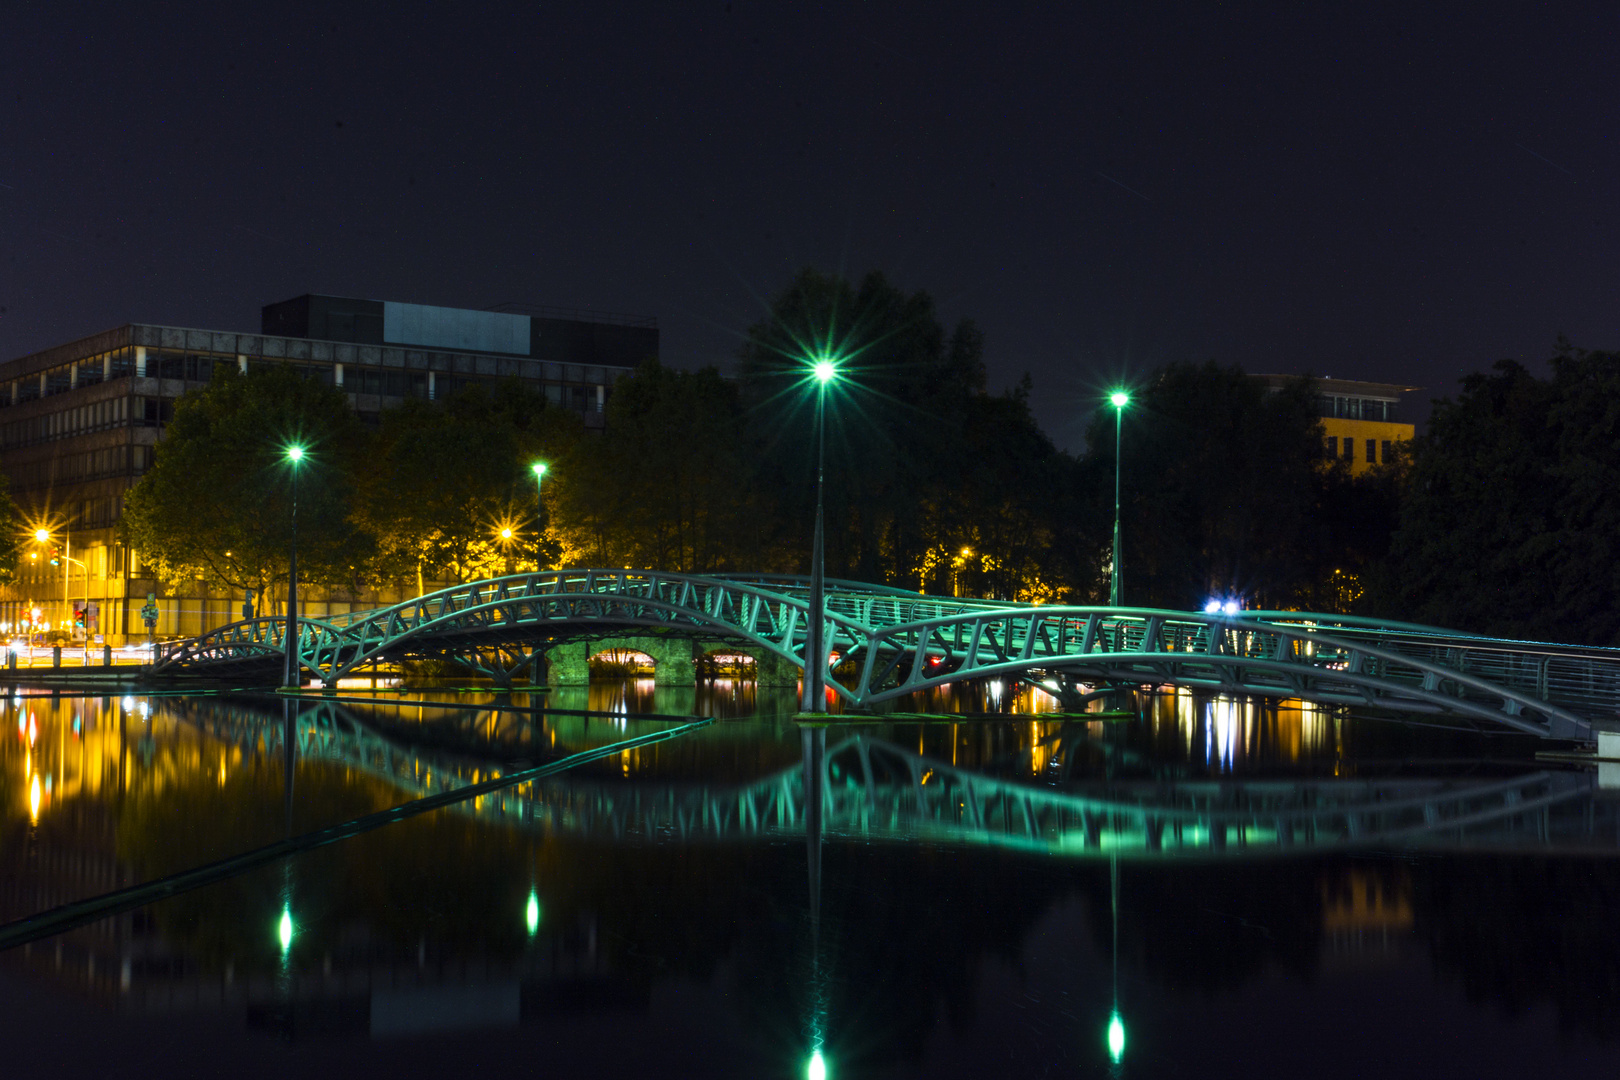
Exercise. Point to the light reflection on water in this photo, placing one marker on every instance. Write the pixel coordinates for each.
(96, 792)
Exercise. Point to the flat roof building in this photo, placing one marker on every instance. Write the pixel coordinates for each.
(1363, 422)
(78, 422)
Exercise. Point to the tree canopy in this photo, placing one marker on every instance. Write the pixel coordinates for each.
(216, 503)
(1511, 518)
(929, 476)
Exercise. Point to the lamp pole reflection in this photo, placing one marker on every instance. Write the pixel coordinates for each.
(814, 765)
(1116, 1026)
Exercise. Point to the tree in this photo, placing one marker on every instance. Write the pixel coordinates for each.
(1220, 479)
(669, 486)
(1512, 511)
(922, 462)
(216, 503)
(449, 476)
(12, 532)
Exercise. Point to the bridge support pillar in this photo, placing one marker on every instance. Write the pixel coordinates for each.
(568, 664)
(773, 670)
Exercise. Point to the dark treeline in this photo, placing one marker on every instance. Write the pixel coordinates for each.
(1501, 520)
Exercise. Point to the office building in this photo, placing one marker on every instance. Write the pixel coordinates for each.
(1363, 423)
(78, 422)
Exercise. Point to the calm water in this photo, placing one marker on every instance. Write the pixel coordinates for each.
(1258, 891)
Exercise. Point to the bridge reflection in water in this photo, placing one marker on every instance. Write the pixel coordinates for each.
(874, 789)
(1193, 796)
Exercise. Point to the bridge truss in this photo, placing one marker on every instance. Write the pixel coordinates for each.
(884, 643)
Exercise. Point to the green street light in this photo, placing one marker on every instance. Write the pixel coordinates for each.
(539, 470)
(292, 668)
(824, 371)
(1119, 399)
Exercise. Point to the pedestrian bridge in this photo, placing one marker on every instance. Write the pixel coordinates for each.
(883, 643)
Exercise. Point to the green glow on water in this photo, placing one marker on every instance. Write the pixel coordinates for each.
(818, 1067)
(1116, 1038)
(284, 930)
(531, 913)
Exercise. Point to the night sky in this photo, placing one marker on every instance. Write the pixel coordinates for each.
(1374, 193)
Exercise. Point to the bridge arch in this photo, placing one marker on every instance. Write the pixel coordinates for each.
(898, 643)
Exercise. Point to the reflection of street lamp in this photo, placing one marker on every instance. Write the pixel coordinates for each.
(1118, 399)
(294, 670)
(823, 371)
(1116, 1026)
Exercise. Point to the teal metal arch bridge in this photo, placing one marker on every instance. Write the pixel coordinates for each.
(874, 790)
(882, 643)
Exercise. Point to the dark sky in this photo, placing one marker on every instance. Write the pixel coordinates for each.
(1385, 193)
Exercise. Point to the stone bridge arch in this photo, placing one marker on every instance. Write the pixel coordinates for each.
(673, 658)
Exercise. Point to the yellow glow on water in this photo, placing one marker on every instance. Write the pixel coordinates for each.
(33, 800)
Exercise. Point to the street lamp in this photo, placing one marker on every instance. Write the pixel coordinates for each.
(824, 371)
(539, 470)
(1119, 399)
(291, 676)
(42, 535)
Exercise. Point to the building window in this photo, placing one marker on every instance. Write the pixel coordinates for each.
(1332, 447)
(1349, 448)
(1388, 447)
(1372, 452)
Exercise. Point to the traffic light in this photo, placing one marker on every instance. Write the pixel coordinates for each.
(56, 556)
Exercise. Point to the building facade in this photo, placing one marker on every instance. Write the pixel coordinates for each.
(78, 424)
(1363, 422)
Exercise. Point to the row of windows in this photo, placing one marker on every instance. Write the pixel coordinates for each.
(1373, 446)
(156, 412)
(64, 377)
(59, 425)
(114, 461)
(1354, 408)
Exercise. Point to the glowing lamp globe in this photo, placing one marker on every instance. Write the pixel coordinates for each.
(1119, 399)
(824, 371)
(295, 454)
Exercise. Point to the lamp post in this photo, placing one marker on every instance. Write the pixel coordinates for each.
(539, 470)
(823, 371)
(291, 676)
(1119, 399)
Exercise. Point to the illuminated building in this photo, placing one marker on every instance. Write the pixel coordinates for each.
(1362, 422)
(78, 422)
